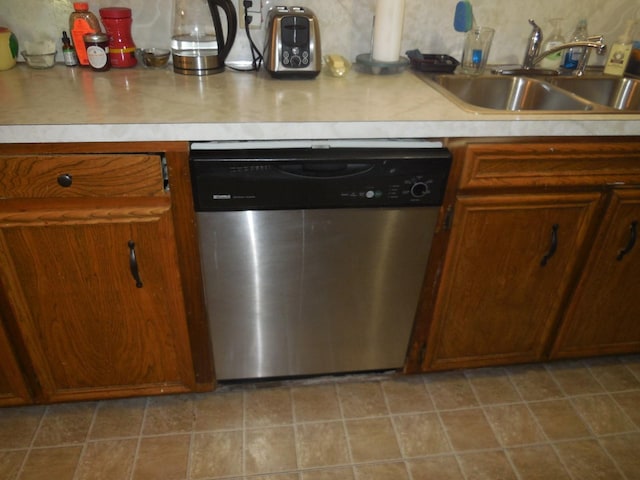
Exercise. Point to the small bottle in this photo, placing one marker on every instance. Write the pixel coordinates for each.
(573, 54)
(82, 22)
(554, 60)
(117, 22)
(97, 51)
(68, 52)
(634, 59)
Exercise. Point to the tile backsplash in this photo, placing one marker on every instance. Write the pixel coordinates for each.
(346, 25)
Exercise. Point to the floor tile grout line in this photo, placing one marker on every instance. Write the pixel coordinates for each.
(83, 450)
(243, 453)
(548, 441)
(345, 430)
(438, 412)
(293, 427)
(526, 406)
(571, 398)
(594, 436)
(395, 430)
(136, 453)
(33, 439)
(624, 362)
(599, 438)
(539, 425)
(610, 394)
(483, 407)
(192, 437)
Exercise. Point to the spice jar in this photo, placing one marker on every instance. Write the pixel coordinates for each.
(97, 45)
(117, 21)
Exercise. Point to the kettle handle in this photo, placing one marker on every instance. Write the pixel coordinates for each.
(224, 45)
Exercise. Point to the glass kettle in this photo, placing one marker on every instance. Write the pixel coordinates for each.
(199, 42)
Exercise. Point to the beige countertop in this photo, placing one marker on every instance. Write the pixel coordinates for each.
(78, 105)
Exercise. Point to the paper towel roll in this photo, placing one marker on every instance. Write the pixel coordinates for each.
(387, 30)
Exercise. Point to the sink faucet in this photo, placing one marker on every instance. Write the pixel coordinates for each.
(533, 47)
(533, 56)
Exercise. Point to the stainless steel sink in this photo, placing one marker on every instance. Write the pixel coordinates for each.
(618, 93)
(510, 94)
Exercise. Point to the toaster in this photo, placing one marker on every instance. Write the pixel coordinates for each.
(292, 43)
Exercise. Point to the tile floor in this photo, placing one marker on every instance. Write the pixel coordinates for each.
(575, 420)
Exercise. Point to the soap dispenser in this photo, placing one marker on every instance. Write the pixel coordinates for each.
(553, 60)
(621, 51)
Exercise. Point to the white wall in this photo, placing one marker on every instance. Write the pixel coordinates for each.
(346, 24)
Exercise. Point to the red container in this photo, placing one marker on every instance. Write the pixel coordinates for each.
(122, 50)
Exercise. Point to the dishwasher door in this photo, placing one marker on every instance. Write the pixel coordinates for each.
(303, 292)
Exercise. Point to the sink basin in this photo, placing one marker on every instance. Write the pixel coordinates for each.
(510, 94)
(618, 93)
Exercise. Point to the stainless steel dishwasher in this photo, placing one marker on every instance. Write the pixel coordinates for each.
(313, 254)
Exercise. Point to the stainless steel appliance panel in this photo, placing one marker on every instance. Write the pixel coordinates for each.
(302, 292)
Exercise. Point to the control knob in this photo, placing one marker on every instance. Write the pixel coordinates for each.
(419, 189)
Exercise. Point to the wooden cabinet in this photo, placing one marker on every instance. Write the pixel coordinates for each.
(13, 388)
(509, 268)
(93, 277)
(604, 313)
(520, 272)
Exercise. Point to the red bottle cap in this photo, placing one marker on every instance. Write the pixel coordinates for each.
(81, 5)
(115, 12)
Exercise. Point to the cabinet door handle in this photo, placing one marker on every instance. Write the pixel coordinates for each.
(553, 247)
(133, 264)
(633, 233)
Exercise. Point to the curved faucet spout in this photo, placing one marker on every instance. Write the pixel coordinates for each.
(597, 45)
(532, 55)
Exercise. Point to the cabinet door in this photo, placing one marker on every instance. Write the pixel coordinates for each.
(13, 389)
(604, 315)
(90, 328)
(509, 263)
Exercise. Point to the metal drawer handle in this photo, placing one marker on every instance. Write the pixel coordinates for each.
(553, 247)
(632, 240)
(65, 180)
(133, 264)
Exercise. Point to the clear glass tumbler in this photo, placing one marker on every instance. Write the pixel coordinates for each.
(477, 44)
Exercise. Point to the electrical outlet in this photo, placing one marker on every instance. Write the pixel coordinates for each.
(254, 12)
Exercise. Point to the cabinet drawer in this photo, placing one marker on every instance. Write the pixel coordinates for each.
(550, 164)
(108, 175)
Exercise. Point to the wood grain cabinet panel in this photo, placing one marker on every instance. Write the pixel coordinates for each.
(550, 164)
(86, 324)
(92, 278)
(604, 314)
(488, 299)
(13, 387)
(78, 175)
(506, 274)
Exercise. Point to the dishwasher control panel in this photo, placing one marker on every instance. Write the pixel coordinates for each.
(312, 178)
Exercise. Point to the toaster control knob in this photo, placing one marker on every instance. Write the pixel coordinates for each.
(296, 61)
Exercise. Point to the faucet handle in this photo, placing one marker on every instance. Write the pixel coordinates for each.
(533, 47)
